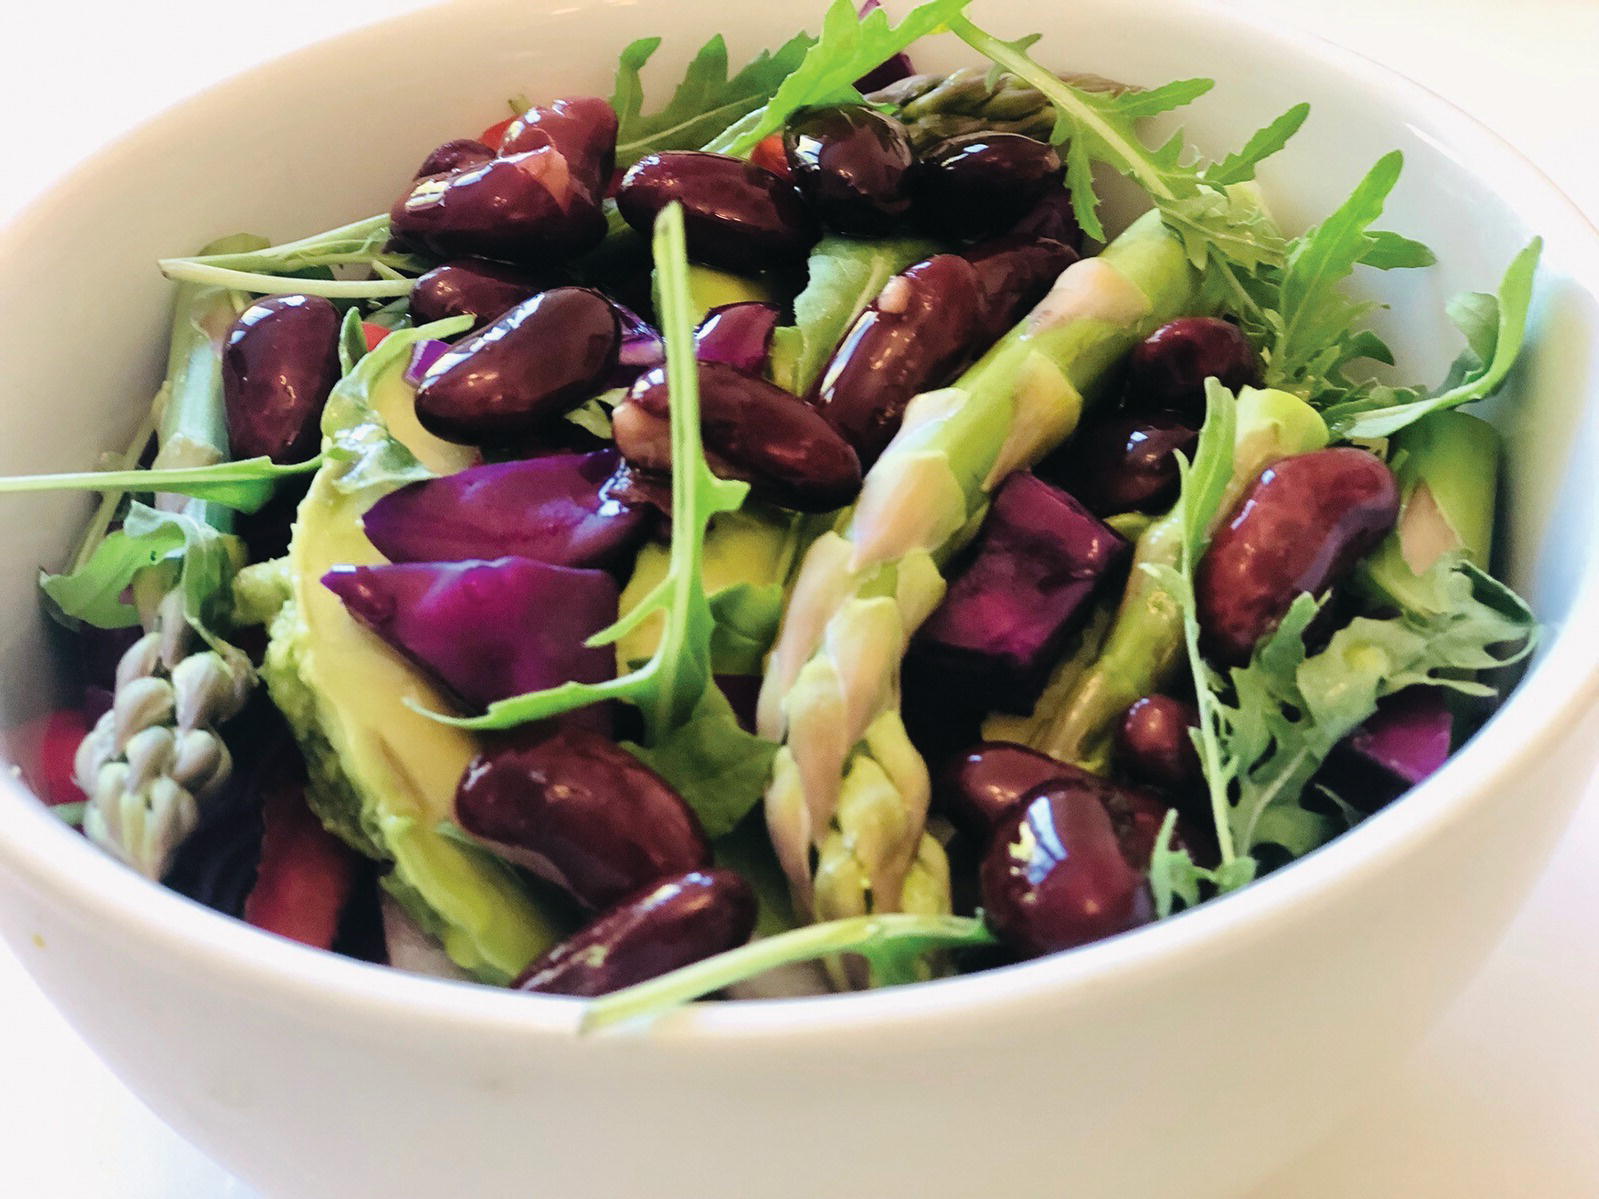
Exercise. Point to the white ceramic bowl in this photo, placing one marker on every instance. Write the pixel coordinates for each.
(1189, 1057)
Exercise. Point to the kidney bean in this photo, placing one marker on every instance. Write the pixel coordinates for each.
(853, 166)
(1052, 217)
(533, 364)
(981, 183)
(1124, 463)
(1168, 369)
(581, 128)
(985, 782)
(1153, 743)
(1301, 527)
(735, 214)
(280, 362)
(577, 809)
(753, 430)
(454, 155)
(1014, 272)
(475, 287)
(529, 208)
(921, 326)
(672, 923)
(1056, 874)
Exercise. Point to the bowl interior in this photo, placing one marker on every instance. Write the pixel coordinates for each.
(331, 133)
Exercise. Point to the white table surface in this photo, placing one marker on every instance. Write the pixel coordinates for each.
(1504, 1097)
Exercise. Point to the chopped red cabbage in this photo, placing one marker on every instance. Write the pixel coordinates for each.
(487, 630)
(641, 348)
(1404, 741)
(556, 509)
(738, 334)
(423, 355)
(1029, 582)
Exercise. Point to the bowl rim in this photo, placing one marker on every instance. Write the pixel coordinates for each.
(57, 862)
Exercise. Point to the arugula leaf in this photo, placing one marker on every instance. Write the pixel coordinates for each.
(1495, 327)
(243, 486)
(850, 45)
(719, 769)
(93, 592)
(361, 241)
(1219, 225)
(845, 276)
(706, 101)
(1392, 252)
(890, 943)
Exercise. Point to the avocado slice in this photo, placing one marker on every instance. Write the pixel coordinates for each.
(382, 775)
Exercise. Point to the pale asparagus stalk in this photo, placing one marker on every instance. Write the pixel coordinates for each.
(847, 802)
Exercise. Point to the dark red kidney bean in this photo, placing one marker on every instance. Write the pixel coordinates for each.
(577, 809)
(529, 208)
(1124, 463)
(673, 923)
(753, 430)
(1014, 272)
(1168, 369)
(736, 215)
(280, 362)
(921, 326)
(982, 183)
(1153, 743)
(454, 155)
(581, 128)
(473, 287)
(1056, 874)
(985, 782)
(1052, 217)
(533, 364)
(1301, 527)
(853, 166)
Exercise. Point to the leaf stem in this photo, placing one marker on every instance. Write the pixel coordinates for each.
(191, 271)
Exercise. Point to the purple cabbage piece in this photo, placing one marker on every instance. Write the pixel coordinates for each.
(1404, 741)
(423, 355)
(1038, 563)
(641, 349)
(897, 68)
(556, 509)
(487, 630)
(739, 335)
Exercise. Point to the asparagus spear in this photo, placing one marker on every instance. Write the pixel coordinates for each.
(848, 789)
(149, 762)
(1145, 644)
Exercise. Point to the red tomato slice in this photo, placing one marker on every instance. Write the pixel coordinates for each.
(306, 872)
(495, 133)
(769, 153)
(374, 334)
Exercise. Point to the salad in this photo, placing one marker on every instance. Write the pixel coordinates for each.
(783, 539)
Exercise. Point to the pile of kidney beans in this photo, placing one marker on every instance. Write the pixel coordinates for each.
(1060, 855)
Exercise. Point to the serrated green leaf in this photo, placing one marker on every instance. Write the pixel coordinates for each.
(1239, 166)
(718, 768)
(242, 486)
(1389, 251)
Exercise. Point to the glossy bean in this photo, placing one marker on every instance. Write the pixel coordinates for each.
(911, 338)
(528, 208)
(1052, 217)
(454, 155)
(1056, 874)
(670, 924)
(280, 362)
(533, 364)
(853, 165)
(581, 128)
(577, 809)
(736, 215)
(473, 287)
(1167, 370)
(985, 782)
(1014, 272)
(753, 430)
(1124, 463)
(1300, 527)
(1153, 743)
(982, 183)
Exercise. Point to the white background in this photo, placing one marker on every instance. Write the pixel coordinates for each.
(1503, 1100)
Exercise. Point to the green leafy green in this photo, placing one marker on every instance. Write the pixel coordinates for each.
(747, 616)
(352, 340)
(243, 486)
(705, 102)
(1495, 327)
(1218, 225)
(845, 275)
(360, 242)
(891, 945)
(850, 45)
(718, 768)
(181, 270)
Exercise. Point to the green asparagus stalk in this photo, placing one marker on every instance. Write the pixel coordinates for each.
(975, 100)
(1144, 647)
(151, 761)
(849, 792)
(1446, 465)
